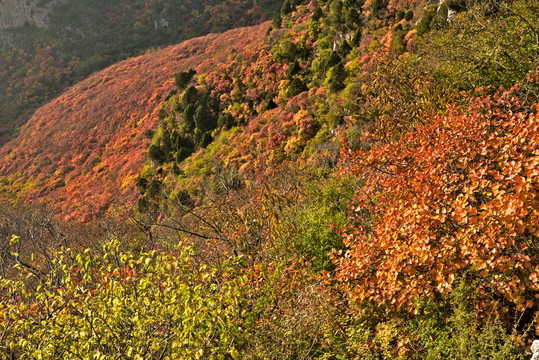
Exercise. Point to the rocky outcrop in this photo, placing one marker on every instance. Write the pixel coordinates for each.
(535, 350)
(16, 13)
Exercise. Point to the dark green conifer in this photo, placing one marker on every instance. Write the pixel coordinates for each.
(356, 40)
(189, 117)
(190, 96)
(206, 140)
(183, 78)
(345, 48)
(317, 14)
(277, 20)
(182, 154)
(297, 86)
(203, 119)
(286, 8)
(293, 69)
(156, 154)
(336, 77)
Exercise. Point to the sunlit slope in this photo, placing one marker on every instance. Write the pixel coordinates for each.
(83, 150)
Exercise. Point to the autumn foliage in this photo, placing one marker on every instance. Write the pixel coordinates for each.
(256, 232)
(140, 305)
(87, 146)
(81, 37)
(456, 197)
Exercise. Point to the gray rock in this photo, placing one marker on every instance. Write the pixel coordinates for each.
(16, 13)
(535, 350)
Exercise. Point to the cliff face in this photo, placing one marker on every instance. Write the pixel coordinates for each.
(15, 13)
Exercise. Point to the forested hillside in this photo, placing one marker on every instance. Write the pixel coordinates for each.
(89, 144)
(354, 180)
(73, 39)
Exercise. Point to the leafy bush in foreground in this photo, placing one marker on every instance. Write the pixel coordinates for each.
(456, 196)
(118, 303)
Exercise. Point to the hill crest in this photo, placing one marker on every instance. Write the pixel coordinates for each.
(103, 120)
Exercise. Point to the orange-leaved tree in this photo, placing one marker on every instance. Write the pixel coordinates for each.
(456, 197)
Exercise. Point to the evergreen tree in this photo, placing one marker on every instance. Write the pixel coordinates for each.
(345, 48)
(166, 143)
(270, 105)
(277, 20)
(189, 118)
(190, 96)
(225, 121)
(317, 14)
(297, 86)
(336, 77)
(293, 69)
(206, 140)
(356, 40)
(156, 154)
(182, 154)
(333, 59)
(203, 119)
(154, 189)
(335, 18)
(183, 79)
(286, 8)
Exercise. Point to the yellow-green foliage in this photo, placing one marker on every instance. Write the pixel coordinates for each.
(485, 46)
(145, 306)
(319, 218)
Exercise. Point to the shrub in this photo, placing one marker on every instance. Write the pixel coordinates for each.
(453, 331)
(455, 194)
(143, 306)
(322, 214)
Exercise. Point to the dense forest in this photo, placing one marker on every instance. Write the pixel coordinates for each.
(353, 179)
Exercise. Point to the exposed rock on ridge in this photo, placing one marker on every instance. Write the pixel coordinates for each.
(16, 13)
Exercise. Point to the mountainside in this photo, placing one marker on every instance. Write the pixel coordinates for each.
(88, 145)
(283, 96)
(49, 45)
(358, 179)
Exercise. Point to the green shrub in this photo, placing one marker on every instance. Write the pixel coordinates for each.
(322, 214)
(148, 306)
(454, 331)
(445, 328)
(465, 56)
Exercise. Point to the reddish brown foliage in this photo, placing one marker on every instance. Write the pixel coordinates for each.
(456, 196)
(88, 142)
